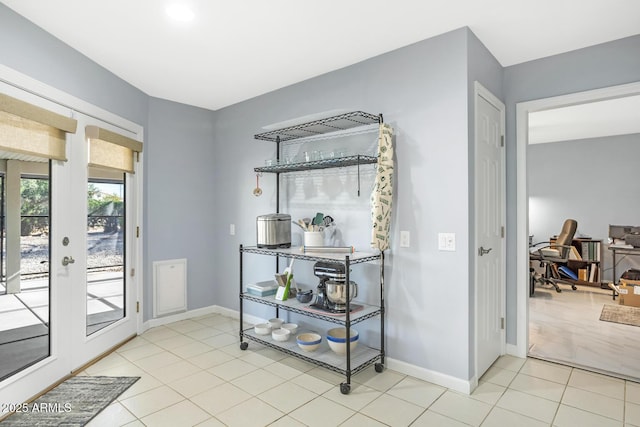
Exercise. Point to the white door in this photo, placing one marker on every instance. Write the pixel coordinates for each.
(63, 298)
(490, 214)
(35, 302)
(104, 247)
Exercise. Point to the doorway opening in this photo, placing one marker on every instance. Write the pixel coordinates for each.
(565, 327)
(52, 138)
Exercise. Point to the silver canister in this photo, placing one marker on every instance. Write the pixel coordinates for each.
(273, 231)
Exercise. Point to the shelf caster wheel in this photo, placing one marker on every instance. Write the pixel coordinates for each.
(244, 345)
(574, 287)
(345, 388)
(379, 367)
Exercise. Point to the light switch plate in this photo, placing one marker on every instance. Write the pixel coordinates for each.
(446, 241)
(232, 229)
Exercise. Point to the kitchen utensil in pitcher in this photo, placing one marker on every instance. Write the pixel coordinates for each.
(317, 220)
(257, 191)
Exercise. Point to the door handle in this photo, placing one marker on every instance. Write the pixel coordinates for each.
(67, 260)
(483, 251)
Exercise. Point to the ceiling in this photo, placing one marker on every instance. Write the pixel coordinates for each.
(234, 50)
(610, 117)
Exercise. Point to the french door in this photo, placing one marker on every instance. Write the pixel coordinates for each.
(80, 240)
(103, 224)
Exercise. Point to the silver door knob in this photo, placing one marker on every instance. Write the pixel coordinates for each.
(483, 251)
(68, 260)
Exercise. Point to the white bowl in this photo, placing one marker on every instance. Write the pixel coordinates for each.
(291, 327)
(262, 329)
(276, 323)
(280, 334)
(337, 339)
(309, 341)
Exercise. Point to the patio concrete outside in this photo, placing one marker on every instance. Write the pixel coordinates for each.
(24, 316)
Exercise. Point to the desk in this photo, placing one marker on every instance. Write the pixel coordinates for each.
(621, 250)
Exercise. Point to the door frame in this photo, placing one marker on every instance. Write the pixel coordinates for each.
(522, 191)
(481, 91)
(16, 389)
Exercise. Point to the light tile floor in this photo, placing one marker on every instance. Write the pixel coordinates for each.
(194, 373)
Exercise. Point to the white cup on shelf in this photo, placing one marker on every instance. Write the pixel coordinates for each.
(313, 238)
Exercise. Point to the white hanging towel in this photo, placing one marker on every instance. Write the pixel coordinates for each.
(382, 193)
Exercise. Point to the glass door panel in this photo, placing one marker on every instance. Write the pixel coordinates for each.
(24, 288)
(106, 231)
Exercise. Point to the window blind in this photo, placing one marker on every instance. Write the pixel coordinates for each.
(29, 130)
(111, 150)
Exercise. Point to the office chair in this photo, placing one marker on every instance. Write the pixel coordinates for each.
(552, 257)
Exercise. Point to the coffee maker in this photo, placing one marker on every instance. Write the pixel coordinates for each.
(331, 293)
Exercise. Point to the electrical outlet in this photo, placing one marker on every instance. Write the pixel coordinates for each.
(446, 241)
(405, 239)
(232, 229)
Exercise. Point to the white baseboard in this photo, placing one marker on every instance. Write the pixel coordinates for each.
(514, 350)
(189, 314)
(234, 314)
(453, 383)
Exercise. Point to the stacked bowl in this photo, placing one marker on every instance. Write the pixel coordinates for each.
(337, 339)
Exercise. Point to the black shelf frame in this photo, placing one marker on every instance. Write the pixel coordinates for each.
(318, 127)
(336, 123)
(314, 128)
(372, 355)
(345, 320)
(355, 258)
(315, 315)
(336, 162)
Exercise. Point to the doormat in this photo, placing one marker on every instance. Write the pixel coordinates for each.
(72, 403)
(621, 314)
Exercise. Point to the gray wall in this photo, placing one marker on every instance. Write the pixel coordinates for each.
(179, 150)
(599, 66)
(423, 92)
(181, 208)
(34, 52)
(599, 187)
